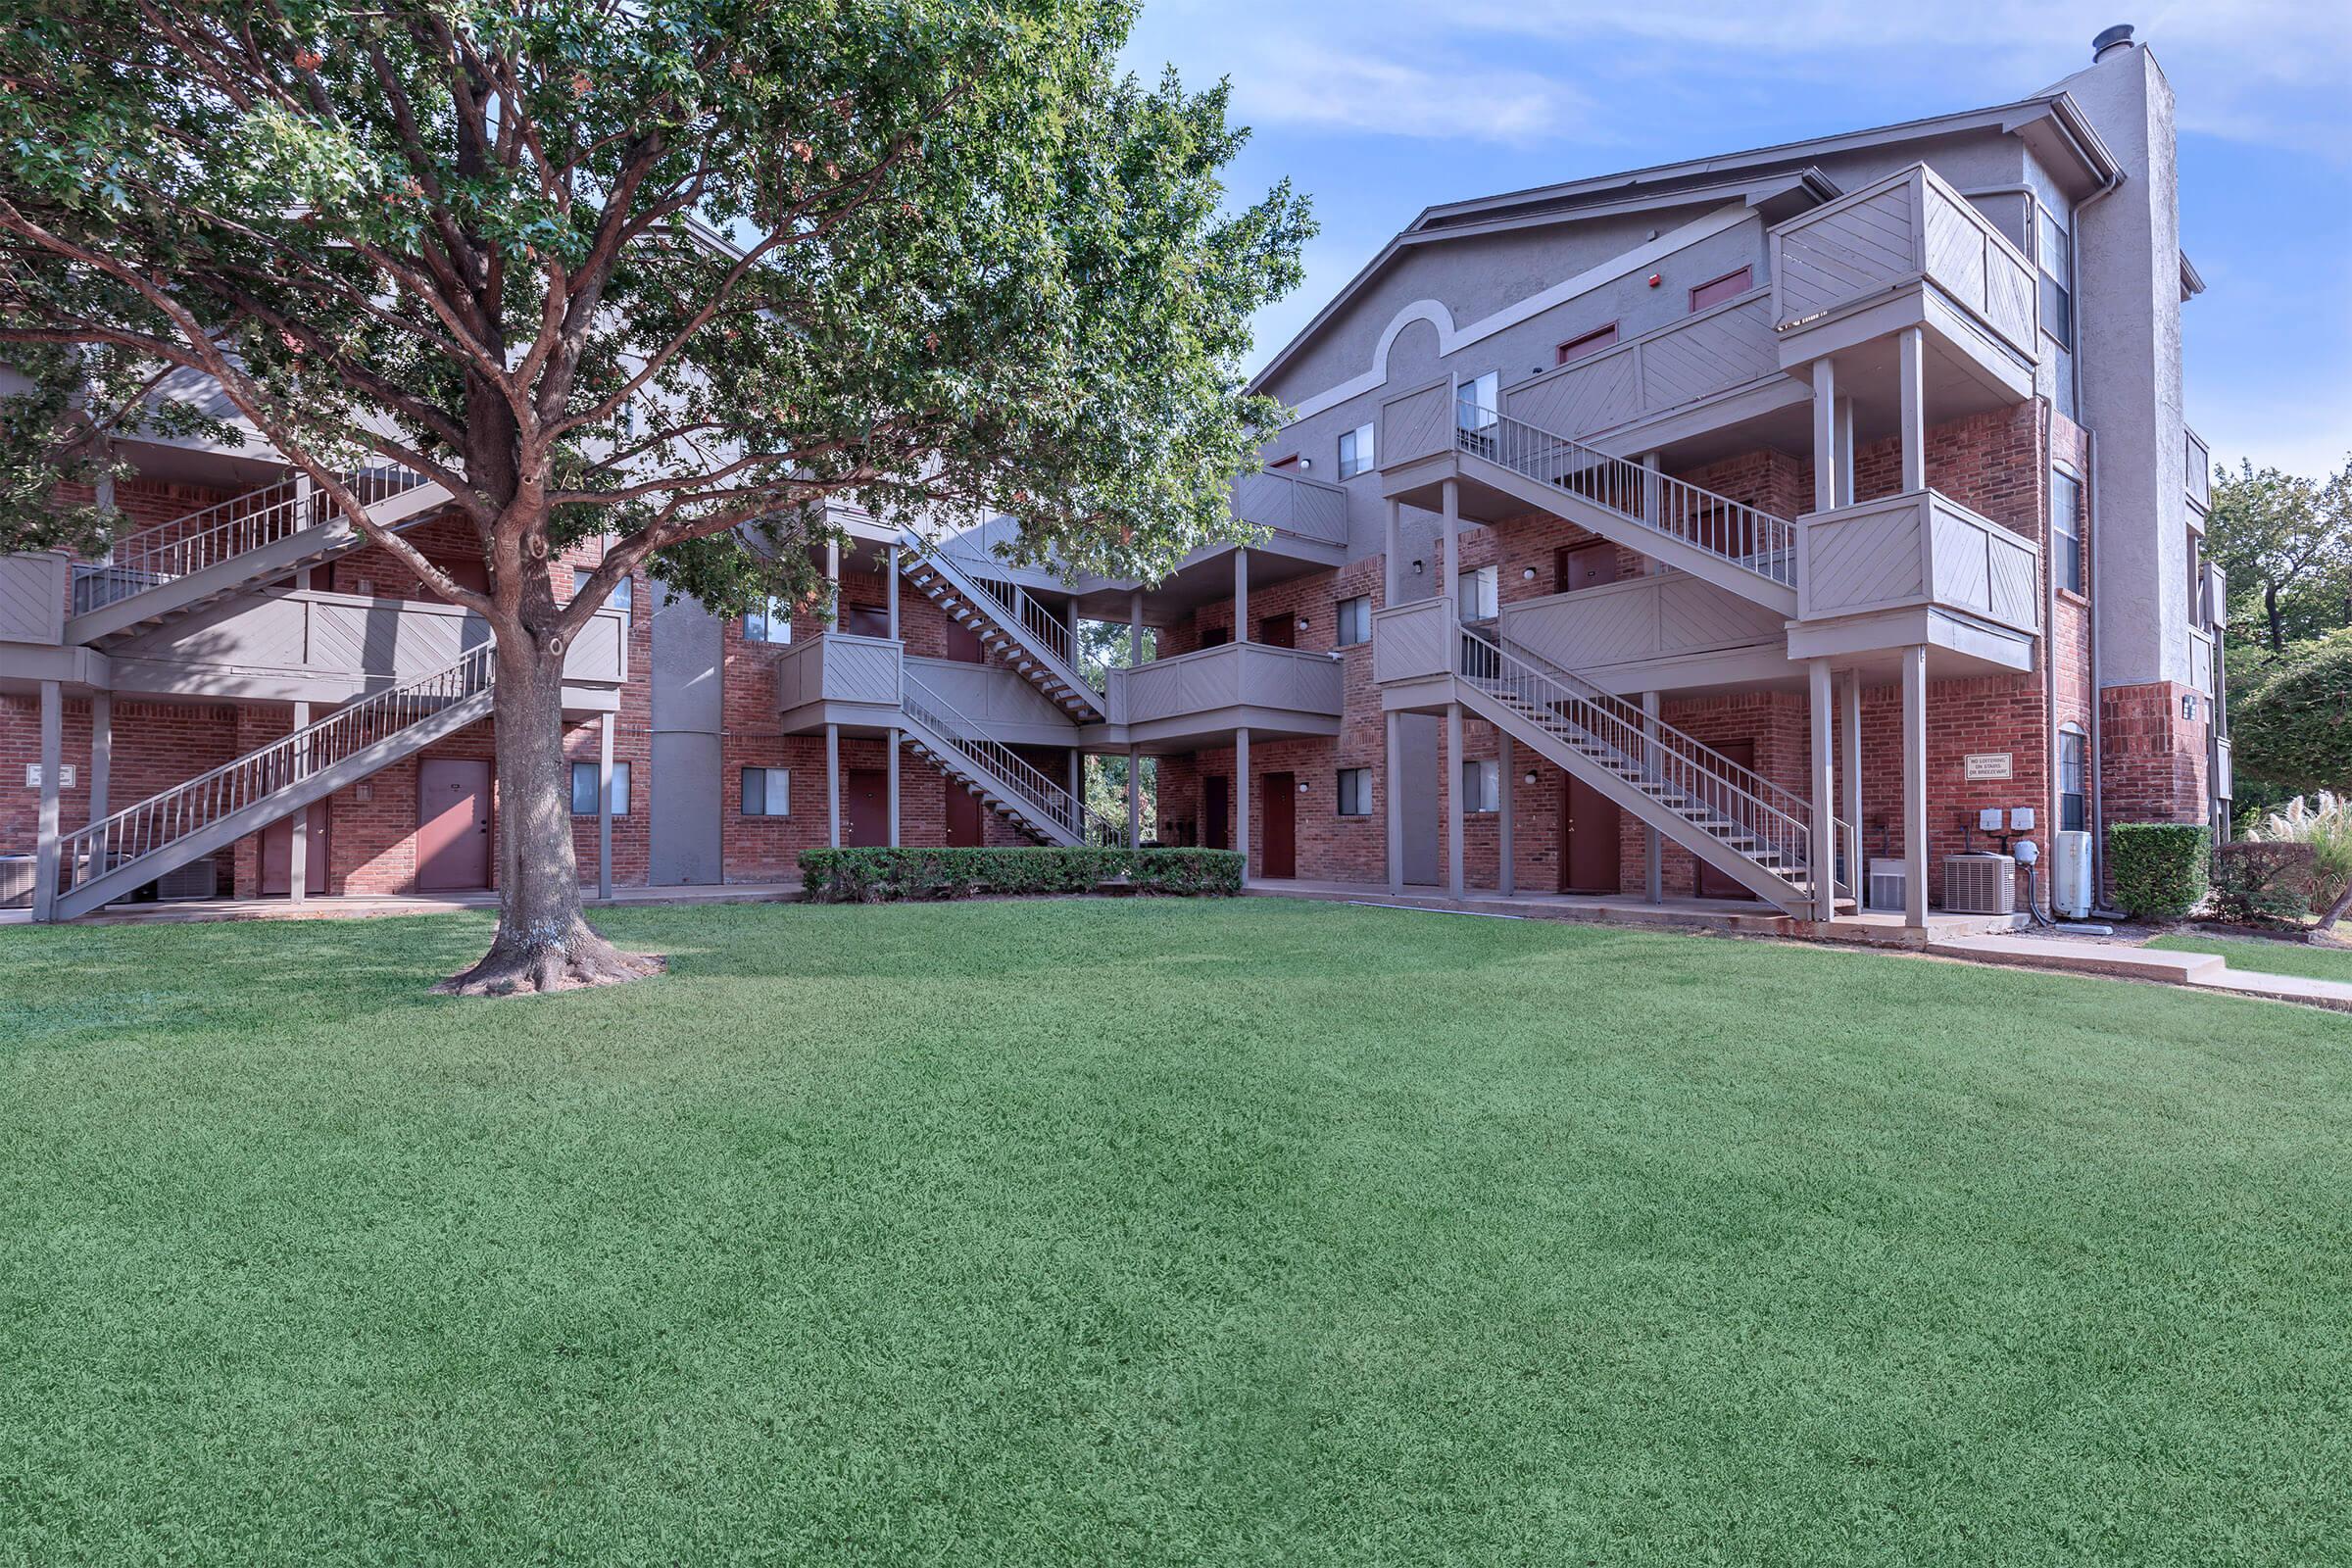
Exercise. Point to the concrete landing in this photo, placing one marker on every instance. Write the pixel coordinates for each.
(2202, 970)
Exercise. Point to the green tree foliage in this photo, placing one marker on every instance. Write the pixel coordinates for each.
(2287, 543)
(675, 271)
(2292, 727)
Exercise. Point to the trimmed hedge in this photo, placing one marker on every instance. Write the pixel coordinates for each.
(2158, 867)
(2266, 884)
(877, 876)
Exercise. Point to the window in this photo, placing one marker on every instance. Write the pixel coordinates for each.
(2073, 815)
(1355, 792)
(1730, 286)
(618, 599)
(1477, 594)
(2066, 529)
(1475, 402)
(583, 789)
(1216, 636)
(771, 624)
(1355, 451)
(1356, 621)
(1482, 780)
(2054, 251)
(768, 792)
(1576, 348)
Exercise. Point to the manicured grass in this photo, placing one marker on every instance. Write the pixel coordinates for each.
(1160, 1232)
(2315, 962)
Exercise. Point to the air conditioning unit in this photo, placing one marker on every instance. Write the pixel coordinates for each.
(198, 879)
(16, 881)
(1886, 885)
(1979, 883)
(2070, 875)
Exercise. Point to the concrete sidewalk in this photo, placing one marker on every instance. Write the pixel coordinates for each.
(2084, 955)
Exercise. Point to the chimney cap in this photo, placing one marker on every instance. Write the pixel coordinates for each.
(2118, 36)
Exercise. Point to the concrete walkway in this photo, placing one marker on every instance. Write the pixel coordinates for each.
(2083, 955)
(358, 906)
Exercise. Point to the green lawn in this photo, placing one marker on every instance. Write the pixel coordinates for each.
(2327, 962)
(1118, 1232)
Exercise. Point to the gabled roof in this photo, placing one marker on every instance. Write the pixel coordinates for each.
(1780, 180)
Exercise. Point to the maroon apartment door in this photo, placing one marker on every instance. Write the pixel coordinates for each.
(964, 645)
(1588, 849)
(1713, 884)
(1280, 857)
(1216, 804)
(966, 826)
(866, 814)
(1278, 631)
(1574, 567)
(453, 824)
(277, 856)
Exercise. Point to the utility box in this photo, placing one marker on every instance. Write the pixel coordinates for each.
(2070, 874)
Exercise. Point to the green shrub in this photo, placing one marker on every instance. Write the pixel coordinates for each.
(878, 875)
(2263, 884)
(2158, 867)
(2325, 823)
(2293, 725)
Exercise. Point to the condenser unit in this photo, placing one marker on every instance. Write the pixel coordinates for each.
(2070, 875)
(1886, 885)
(1979, 883)
(16, 880)
(198, 879)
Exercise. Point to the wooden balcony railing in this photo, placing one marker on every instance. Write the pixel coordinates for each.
(1724, 346)
(1293, 503)
(1234, 676)
(1917, 548)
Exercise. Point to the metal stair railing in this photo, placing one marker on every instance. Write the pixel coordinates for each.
(223, 532)
(1654, 757)
(1744, 535)
(1034, 794)
(165, 819)
(1011, 601)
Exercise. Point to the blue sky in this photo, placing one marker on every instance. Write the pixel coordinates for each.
(1378, 108)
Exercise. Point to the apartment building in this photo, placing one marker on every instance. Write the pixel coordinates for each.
(1739, 530)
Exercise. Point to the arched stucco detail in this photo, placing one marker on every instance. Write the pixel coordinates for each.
(1433, 312)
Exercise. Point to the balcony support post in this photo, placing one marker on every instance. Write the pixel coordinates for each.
(1391, 792)
(1822, 851)
(1135, 629)
(1911, 395)
(45, 847)
(1391, 542)
(1825, 435)
(604, 805)
(1653, 859)
(891, 599)
(1506, 781)
(1078, 791)
(1654, 494)
(298, 842)
(1843, 416)
(1240, 594)
(1449, 589)
(102, 751)
(1241, 798)
(1135, 799)
(1915, 787)
(891, 784)
(1453, 798)
(833, 580)
(833, 785)
(1849, 738)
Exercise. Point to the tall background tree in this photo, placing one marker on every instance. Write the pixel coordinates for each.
(674, 272)
(2287, 543)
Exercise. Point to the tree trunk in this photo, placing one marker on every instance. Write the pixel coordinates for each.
(2335, 910)
(543, 941)
(2270, 610)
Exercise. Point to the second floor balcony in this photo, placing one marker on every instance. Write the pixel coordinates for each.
(1214, 691)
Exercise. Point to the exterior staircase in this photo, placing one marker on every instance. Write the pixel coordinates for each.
(169, 570)
(120, 854)
(1733, 818)
(1739, 547)
(1005, 784)
(974, 592)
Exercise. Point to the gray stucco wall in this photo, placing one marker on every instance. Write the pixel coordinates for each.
(683, 817)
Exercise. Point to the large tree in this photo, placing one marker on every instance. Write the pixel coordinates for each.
(2287, 543)
(674, 272)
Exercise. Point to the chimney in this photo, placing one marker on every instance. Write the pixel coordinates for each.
(2106, 43)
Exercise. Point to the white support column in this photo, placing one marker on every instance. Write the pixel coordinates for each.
(1241, 798)
(1824, 850)
(604, 805)
(1135, 630)
(1825, 436)
(1447, 586)
(891, 766)
(1915, 787)
(1506, 785)
(298, 843)
(1912, 397)
(1849, 737)
(1391, 793)
(833, 576)
(1843, 416)
(833, 785)
(1392, 580)
(1135, 799)
(1654, 491)
(102, 751)
(1453, 798)
(53, 745)
(1653, 858)
(1241, 594)
(1078, 789)
(890, 598)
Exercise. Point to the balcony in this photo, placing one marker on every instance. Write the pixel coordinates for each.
(1713, 369)
(1412, 643)
(1907, 251)
(1199, 696)
(304, 645)
(2201, 659)
(1915, 569)
(2197, 474)
(1294, 507)
(838, 679)
(32, 597)
(1667, 630)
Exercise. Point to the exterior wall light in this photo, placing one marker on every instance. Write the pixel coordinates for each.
(1420, 566)
(1302, 623)
(1527, 574)
(1302, 786)
(1528, 778)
